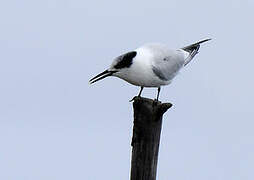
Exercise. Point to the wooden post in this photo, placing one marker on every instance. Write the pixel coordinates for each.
(146, 137)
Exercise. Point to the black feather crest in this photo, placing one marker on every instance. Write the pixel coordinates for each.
(125, 60)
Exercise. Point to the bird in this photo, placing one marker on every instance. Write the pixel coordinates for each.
(151, 65)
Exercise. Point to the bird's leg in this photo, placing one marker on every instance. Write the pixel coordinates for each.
(139, 94)
(159, 89)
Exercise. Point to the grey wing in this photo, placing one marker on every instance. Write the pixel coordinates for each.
(167, 65)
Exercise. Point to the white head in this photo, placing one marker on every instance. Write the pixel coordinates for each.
(118, 68)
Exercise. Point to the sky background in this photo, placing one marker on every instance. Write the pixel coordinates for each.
(54, 125)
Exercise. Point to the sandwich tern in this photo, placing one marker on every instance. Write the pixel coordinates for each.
(151, 65)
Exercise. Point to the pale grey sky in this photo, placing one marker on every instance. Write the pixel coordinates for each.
(54, 125)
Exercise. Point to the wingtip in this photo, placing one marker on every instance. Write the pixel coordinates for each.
(205, 40)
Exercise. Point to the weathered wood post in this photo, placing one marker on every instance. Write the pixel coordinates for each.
(146, 137)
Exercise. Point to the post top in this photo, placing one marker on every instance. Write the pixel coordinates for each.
(151, 104)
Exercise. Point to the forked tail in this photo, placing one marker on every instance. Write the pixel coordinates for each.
(193, 50)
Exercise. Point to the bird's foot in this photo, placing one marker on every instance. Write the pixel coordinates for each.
(135, 97)
(132, 99)
(155, 102)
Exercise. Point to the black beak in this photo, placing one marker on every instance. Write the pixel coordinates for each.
(101, 76)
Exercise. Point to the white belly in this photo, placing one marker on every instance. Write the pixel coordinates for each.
(141, 75)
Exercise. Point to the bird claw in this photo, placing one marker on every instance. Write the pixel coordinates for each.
(155, 102)
(134, 98)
